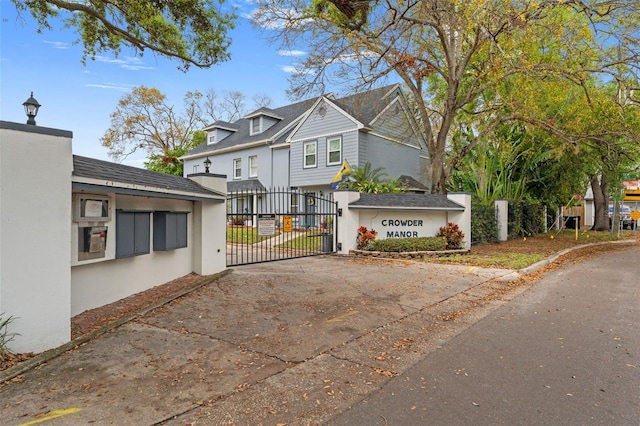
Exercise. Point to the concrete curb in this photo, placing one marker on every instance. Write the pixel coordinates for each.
(538, 265)
(39, 359)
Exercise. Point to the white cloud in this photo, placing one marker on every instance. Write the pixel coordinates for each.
(129, 63)
(110, 86)
(291, 69)
(58, 44)
(291, 53)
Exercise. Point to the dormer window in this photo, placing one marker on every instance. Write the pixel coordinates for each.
(211, 138)
(256, 125)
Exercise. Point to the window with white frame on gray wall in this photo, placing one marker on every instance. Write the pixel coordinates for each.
(310, 149)
(256, 125)
(334, 151)
(237, 168)
(253, 166)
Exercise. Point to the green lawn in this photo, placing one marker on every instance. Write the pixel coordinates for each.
(245, 235)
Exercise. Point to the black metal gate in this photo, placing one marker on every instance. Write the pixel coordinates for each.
(277, 224)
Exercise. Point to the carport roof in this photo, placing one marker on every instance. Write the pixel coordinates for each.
(245, 185)
(103, 176)
(405, 202)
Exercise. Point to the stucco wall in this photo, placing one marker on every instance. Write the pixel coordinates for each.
(35, 213)
(99, 283)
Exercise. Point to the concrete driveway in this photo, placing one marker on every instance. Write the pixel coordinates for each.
(290, 342)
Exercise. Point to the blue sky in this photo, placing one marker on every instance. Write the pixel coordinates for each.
(80, 97)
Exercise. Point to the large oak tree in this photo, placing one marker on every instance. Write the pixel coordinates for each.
(192, 31)
(455, 56)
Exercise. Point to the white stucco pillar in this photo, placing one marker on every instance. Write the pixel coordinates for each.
(502, 219)
(210, 227)
(348, 221)
(462, 218)
(35, 225)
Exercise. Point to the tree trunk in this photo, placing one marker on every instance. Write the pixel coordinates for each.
(600, 190)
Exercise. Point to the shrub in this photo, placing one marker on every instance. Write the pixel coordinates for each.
(484, 228)
(452, 234)
(409, 244)
(365, 237)
(5, 336)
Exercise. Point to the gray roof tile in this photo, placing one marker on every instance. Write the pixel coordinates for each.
(114, 172)
(406, 201)
(362, 106)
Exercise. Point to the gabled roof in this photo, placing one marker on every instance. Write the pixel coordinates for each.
(411, 184)
(245, 185)
(264, 111)
(363, 107)
(222, 125)
(366, 106)
(99, 175)
(288, 114)
(406, 202)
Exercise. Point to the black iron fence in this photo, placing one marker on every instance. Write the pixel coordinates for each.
(277, 224)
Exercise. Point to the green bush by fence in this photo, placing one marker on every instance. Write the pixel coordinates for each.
(484, 228)
(525, 218)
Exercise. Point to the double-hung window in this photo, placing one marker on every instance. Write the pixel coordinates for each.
(310, 157)
(237, 168)
(253, 166)
(256, 125)
(334, 151)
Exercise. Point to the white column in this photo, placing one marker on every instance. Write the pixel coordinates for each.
(348, 221)
(210, 227)
(463, 218)
(502, 219)
(35, 224)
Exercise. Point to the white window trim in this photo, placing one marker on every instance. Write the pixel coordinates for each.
(211, 138)
(304, 155)
(329, 140)
(253, 158)
(237, 161)
(251, 122)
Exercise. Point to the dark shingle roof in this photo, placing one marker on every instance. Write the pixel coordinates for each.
(406, 202)
(113, 172)
(411, 183)
(245, 185)
(288, 113)
(367, 105)
(362, 106)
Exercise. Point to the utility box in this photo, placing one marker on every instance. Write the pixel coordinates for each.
(92, 242)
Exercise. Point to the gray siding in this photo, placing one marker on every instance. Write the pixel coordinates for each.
(397, 159)
(321, 174)
(395, 125)
(268, 122)
(280, 172)
(320, 128)
(223, 164)
(316, 125)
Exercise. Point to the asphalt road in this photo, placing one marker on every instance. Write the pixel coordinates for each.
(565, 352)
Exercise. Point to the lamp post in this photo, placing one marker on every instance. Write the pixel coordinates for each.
(207, 164)
(31, 107)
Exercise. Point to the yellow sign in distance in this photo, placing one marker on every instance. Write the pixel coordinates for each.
(287, 224)
(635, 215)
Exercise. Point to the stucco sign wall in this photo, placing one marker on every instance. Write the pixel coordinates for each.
(404, 224)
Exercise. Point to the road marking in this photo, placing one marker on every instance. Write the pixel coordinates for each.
(471, 269)
(343, 316)
(52, 415)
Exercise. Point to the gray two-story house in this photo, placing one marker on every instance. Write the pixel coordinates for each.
(305, 144)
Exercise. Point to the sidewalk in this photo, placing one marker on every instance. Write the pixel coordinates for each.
(289, 342)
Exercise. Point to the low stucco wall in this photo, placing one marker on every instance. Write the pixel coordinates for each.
(102, 282)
